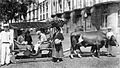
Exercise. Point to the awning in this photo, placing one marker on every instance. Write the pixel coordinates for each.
(30, 25)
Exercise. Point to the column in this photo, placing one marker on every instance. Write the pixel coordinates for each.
(39, 12)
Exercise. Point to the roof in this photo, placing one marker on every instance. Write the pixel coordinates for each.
(30, 25)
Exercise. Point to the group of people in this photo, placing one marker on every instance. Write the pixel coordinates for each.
(25, 38)
(56, 42)
(6, 40)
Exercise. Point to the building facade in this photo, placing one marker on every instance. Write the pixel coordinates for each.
(91, 14)
(39, 11)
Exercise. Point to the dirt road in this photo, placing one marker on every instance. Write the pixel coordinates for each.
(84, 62)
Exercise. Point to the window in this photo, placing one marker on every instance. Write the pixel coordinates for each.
(40, 9)
(33, 15)
(43, 16)
(43, 7)
(40, 17)
(46, 6)
(37, 13)
(69, 4)
(46, 15)
(104, 24)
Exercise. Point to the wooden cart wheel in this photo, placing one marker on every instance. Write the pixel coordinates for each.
(36, 53)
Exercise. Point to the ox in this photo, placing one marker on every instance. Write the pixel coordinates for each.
(96, 39)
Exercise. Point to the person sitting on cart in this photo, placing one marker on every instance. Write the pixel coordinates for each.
(21, 41)
(28, 38)
(21, 38)
(42, 39)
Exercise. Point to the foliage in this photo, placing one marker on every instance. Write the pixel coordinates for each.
(13, 10)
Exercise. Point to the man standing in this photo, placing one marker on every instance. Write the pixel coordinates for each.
(109, 34)
(6, 42)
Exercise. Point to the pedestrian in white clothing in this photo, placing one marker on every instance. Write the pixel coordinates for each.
(6, 42)
(109, 35)
(42, 38)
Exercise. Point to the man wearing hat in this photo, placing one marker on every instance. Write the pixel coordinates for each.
(6, 42)
(109, 34)
(42, 38)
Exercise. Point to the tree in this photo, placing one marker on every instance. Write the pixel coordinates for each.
(12, 9)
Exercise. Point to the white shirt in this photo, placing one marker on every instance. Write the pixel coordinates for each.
(109, 34)
(43, 37)
(5, 36)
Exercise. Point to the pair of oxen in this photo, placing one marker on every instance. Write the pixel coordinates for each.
(95, 39)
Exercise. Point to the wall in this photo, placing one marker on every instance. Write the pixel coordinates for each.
(112, 20)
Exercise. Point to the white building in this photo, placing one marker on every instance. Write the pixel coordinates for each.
(39, 11)
(91, 14)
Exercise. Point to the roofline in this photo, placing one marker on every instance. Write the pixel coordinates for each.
(106, 3)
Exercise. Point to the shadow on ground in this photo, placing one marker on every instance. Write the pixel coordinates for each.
(46, 58)
(88, 54)
(25, 59)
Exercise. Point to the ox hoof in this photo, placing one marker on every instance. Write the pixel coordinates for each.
(71, 56)
(79, 56)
